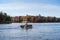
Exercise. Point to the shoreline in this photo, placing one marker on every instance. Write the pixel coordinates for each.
(28, 22)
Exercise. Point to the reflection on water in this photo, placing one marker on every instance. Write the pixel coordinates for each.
(40, 31)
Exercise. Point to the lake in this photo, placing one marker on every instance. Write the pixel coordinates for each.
(40, 31)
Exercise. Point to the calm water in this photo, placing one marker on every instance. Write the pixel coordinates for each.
(40, 31)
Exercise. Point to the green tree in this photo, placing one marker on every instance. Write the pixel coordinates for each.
(4, 17)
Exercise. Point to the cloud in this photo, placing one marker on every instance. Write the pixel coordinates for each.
(25, 8)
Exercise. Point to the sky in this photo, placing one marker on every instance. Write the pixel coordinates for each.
(30, 7)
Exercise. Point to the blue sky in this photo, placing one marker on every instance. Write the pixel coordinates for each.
(31, 7)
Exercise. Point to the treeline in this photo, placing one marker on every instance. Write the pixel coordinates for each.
(4, 18)
(35, 19)
(42, 19)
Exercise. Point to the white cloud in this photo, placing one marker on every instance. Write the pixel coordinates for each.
(24, 6)
(31, 7)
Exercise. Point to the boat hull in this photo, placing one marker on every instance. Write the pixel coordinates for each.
(27, 26)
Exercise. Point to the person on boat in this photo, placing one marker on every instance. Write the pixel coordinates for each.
(25, 25)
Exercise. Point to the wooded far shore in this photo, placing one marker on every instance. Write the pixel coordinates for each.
(4, 18)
